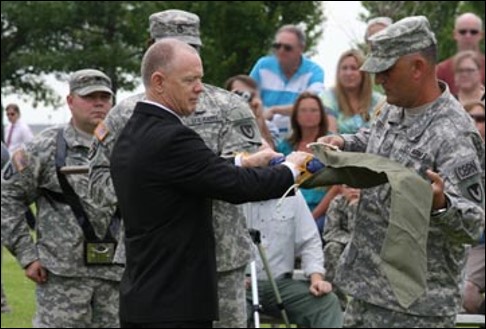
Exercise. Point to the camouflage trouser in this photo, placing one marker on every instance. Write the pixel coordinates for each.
(332, 253)
(232, 299)
(360, 314)
(64, 302)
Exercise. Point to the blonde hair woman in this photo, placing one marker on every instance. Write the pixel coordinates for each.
(351, 101)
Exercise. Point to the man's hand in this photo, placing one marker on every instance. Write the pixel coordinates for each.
(247, 283)
(269, 113)
(320, 287)
(299, 159)
(36, 272)
(440, 200)
(351, 194)
(259, 159)
(334, 140)
(256, 106)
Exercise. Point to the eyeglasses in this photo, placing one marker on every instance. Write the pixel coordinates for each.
(465, 31)
(11, 114)
(479, 118)
(466, 70)
(286, 47)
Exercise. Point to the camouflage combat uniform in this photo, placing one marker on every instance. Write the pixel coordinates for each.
(5, 157)
(424, 143)
(74, 295)
(227, 125)
(439, 136)
(337, 234)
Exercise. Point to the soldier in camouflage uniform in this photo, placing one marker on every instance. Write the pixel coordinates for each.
(69, 294)
(337, 233)
(227, 125)
(5, 157)
(424, 128)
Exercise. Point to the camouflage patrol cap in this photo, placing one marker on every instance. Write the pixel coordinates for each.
(407, 36)
(85, 82)
(177, 24)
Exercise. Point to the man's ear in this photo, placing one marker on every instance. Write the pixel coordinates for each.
(158, 82)
(419, 67)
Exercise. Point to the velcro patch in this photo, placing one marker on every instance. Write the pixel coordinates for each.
(475, 191)
(417, 153)
(9, 171)
(467, 170)
(101, 131)
(197, 120)
(20, 160)
(248, 130)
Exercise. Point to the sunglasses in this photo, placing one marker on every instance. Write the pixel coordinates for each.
(286, 47)
(466, 71)
(471, 32)
(479, 118)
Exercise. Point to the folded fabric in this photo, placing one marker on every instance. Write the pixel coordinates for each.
(404, 251)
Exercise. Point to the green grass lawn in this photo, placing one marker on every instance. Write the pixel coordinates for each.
(20, 293)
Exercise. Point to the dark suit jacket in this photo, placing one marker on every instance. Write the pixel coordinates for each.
(165, 178)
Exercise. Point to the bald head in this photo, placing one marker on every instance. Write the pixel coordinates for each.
(172, 73)
(377, 24)
(469, 18)
(161, 56)
(468, 32)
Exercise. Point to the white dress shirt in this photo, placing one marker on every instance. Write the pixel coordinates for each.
(287, 231)
(21, 134)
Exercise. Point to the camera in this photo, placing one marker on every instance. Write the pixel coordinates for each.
(246, 95)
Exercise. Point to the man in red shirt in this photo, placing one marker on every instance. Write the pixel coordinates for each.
(468, 33)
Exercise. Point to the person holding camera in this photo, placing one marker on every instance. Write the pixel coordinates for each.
(247, 88)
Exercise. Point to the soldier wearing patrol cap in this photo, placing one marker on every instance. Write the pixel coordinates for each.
(75, 288)
(227, 125)
(423, 127)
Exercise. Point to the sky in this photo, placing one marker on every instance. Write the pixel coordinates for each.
(342, 31)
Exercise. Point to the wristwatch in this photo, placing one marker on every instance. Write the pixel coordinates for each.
(438, 212)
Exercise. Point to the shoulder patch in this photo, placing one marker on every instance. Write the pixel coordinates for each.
(475, 191)
(248, 130)
(467, 170)
(101, 131)
(9, 171)
(20, 160)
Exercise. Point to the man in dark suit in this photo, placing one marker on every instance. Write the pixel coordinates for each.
(165, 178)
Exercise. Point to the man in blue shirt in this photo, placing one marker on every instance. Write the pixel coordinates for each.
(286, 74)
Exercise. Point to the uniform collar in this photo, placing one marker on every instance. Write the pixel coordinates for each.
(418, 128)
(73, 137)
